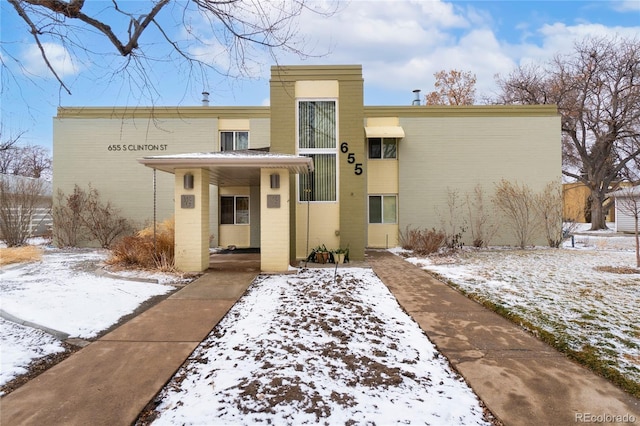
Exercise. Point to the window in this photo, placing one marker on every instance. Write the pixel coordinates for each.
(317, 134)
(382, 209)
(382, 147)
(234, 210)
(233, 141)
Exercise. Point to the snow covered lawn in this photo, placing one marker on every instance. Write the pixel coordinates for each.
(307, 349)
(567, 292)
(61, 292)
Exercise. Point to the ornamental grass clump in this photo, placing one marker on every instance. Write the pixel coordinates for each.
(20, 254)
(140, 250)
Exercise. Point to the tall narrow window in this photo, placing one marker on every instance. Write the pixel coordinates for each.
(317, 134)
(234, 140)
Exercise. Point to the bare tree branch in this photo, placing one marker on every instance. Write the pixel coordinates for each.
(237, 28)
(597, 90)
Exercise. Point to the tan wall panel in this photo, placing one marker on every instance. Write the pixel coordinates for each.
(260, 133)
(324, 221)
(236, 235)
(192, 224)
(353, 186)
(234, 124)
(448, 152)
(274, 229)
(382, 176)
(382, 235)
(317, 89)
(103, 152)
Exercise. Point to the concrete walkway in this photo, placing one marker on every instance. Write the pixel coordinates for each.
(521, 380)
(110, 381)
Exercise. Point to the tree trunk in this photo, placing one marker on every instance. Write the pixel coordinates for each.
(598, 220)
(637, 243)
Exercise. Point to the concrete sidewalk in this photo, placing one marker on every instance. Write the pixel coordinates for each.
(521, 380)
(110, 381)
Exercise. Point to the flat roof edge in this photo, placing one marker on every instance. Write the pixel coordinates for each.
(165, 112)
(461, 110)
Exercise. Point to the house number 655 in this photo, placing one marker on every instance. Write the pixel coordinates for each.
(351, 158)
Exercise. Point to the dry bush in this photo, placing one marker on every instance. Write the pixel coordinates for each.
(408, 239)
(518, 203)
(82, 215)
(103, 220)
(549, 208)
(20, 199)
(481, 221)
(140, 250)
(617, 269)
(20, 254)
(68, 226)
(422, 242)
(452, 222)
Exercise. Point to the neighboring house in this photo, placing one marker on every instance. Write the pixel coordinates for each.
(577, 205)
(23, 195)
(315, 167)
(627, 205)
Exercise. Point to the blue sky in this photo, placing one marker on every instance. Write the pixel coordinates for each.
(400, 45)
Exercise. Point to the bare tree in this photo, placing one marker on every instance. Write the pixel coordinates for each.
(31, 161)
(223, 36)
(597, 90)
(20, 198)
(453, 87)
(8, 141)
(628, 202)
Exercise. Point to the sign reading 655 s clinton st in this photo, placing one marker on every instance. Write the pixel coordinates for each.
(136, 147)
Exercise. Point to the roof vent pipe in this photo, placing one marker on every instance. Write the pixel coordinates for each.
(205, 99)
(416, 100)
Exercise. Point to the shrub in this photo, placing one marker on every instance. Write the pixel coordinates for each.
(142, 251)
(422, 242)
(453, 224)
(102, 220)
(482, 224)
(549, 208)
(82, 216)
(20, 198)
(19, 254)
(518, 204)
(68, 226)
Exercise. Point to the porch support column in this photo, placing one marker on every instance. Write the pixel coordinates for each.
(192, 219)
(274, 220)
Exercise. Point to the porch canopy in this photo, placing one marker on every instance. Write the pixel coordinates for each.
(195, 172)
(231, 168)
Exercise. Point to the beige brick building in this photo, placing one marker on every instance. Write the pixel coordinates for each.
(316, 167)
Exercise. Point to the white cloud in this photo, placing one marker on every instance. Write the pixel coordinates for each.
(626, 5)
(57, 55)
(560, 38)
(402, 43)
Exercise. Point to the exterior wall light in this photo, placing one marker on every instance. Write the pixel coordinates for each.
(188, 181)
(275, 181)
